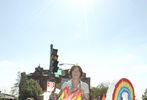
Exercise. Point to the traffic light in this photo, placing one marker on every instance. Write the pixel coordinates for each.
(54, 62)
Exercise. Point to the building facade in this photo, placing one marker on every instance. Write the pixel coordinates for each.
(41, 76)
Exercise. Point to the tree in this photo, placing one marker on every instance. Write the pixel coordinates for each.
(28, 88)
(15, 88)
(31, 89)
(93, 92)
(144, 96)
(99, 90)
(103, 87)
(22, 83)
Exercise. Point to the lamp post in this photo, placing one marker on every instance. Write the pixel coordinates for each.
(63, 71)
(65, 64)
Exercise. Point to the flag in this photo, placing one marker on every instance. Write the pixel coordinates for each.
(76, 95)
(104, 97)
(67, 95)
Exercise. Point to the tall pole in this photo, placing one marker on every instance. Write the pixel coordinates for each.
(66, 64)
(51, 48)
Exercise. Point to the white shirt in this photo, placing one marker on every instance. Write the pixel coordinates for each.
(84, 86)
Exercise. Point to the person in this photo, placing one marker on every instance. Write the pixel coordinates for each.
(53, 95)
(75, 82)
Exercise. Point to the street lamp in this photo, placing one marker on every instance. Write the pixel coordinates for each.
(65, 64)
(64, 71)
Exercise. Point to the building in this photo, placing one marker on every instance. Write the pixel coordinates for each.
(41, 76)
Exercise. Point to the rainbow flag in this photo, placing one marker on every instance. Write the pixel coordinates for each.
(76, 95)
(67, 95)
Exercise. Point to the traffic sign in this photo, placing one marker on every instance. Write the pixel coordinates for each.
(50, 86)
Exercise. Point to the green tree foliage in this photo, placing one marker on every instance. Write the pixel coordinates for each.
(22, 83)
(28, 88)
(144, 96)
(99, 90)
(15, 88)
(94, 91)
(31, 89)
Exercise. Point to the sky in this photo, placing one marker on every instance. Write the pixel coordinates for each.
(107, 38)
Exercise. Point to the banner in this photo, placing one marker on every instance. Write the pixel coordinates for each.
(67, 95)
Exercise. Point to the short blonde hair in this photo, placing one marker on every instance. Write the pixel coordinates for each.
(73, 67)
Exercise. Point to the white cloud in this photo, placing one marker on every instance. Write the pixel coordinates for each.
(126, 57)
(6, 63)
(77, 35)
(140, 68)
(8, 74)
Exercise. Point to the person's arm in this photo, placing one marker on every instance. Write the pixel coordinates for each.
(59, 94)
(85, 91)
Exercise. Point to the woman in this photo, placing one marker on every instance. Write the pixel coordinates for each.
(75, 83)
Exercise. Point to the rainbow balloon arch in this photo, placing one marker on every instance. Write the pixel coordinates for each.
(121, 90)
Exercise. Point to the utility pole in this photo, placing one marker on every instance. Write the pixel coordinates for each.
(65, 64)
(51, 49)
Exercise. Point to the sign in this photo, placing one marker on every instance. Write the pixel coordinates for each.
(50, 86)
(58, 73)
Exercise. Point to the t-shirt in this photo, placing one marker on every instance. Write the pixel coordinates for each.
(84, 86)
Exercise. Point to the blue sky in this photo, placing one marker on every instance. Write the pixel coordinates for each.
(106, 37)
